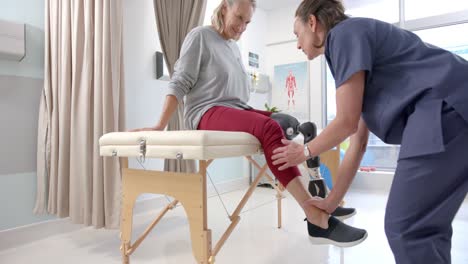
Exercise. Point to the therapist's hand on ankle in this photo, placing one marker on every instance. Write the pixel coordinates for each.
(327, 204)
(292, 154)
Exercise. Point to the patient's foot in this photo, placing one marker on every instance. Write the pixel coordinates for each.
(315, 215)
(337, 233)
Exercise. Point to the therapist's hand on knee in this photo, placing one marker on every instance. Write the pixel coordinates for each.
(292, 154)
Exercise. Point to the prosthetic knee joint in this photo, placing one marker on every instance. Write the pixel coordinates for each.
(292, 128)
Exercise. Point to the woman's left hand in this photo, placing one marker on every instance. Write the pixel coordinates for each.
(292, 154)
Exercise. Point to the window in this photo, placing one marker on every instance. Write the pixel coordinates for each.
(448, 32)
(378, 154)
(415, 9)
(453, 38)
(385, 10)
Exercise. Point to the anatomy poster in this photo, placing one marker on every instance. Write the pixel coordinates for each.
(291, 90)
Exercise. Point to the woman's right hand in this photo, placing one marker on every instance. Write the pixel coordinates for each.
(170, 105)
(153, 128)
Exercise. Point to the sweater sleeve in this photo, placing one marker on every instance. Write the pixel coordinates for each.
(187, 67)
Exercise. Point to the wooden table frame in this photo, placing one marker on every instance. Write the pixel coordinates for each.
(190, 190)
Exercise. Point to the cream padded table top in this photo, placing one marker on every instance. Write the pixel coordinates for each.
(187, 144)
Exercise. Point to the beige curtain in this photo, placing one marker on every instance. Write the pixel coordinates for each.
(82, 100)
(175, 19)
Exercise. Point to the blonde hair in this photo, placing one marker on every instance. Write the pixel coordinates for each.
(327, 12)
(217, 19)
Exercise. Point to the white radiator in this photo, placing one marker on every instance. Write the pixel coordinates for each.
(12, 41)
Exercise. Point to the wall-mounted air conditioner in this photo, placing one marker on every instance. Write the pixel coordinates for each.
(162, 73)
(12, 41)
(260, 83)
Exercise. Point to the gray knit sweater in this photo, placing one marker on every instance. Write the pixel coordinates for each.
(209, 72)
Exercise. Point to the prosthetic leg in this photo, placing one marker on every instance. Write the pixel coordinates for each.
(337, 233)
(317, 185)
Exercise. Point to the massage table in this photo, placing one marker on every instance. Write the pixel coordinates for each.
(188, 189)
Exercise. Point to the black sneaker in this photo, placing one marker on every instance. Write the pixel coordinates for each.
(337, 233)
(343, 213)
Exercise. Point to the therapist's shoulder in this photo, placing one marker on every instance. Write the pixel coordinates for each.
(355, 25)
(354, 30)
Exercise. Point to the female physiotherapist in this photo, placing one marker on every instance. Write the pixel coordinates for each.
(406, 92)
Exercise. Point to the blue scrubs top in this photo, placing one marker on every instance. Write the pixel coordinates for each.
(407, 83)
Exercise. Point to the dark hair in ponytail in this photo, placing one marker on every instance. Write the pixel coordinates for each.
(328, 12)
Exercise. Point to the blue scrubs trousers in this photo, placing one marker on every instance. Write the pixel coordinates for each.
(426, 193)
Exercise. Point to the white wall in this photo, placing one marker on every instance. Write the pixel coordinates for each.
(280, 25)
(254, 40)
(20, 88)
(282, 49)
(144, 93)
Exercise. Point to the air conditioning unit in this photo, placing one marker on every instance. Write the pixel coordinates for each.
(12, 41)
(162, 73)
(260, 83)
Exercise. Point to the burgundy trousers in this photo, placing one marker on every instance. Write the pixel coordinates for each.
(255, 122)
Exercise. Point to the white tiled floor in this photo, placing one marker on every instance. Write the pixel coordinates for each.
(256, 239)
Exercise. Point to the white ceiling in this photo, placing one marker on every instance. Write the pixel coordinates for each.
(277, 4)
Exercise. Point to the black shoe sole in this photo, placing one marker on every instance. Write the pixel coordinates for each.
(327, 241)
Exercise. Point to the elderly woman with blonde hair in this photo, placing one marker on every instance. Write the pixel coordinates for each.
(212, 78)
